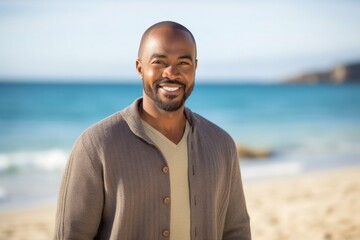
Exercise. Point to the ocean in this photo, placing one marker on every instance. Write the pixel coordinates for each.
(306, 127)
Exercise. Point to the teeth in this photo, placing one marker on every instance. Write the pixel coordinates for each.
(170, 89)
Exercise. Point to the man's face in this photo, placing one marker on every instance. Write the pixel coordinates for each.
(167, 67)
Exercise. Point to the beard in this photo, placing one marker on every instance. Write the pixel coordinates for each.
(171, 105)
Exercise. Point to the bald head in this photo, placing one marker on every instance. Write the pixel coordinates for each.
(171, 26)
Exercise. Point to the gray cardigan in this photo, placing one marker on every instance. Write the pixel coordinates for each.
(115, 183)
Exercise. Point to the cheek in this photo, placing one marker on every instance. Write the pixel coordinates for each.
(150, 73)
(190, 72)
(190, 76)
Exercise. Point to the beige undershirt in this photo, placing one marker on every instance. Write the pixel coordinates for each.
(176, 156)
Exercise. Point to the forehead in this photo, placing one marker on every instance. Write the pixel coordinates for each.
(168, 41)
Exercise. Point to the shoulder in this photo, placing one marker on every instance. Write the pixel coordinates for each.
(104, 131)
(213, 142)
(209, 129)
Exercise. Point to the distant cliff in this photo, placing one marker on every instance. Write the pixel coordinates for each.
(347, 73)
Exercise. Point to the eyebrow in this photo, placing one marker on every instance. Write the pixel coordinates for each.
(186, 57)
(156, 55)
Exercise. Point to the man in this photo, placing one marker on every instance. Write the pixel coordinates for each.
(155, 170)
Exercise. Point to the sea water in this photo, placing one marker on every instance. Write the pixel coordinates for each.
(306, 127)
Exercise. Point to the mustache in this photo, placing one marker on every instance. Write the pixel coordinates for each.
(166, 80)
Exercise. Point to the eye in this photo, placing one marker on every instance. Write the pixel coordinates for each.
(158, 62)
(183, 63)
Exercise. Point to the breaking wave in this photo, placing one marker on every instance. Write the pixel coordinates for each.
(25, 161)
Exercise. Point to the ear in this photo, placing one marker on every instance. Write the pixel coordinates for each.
(196, 63)
(139, 68)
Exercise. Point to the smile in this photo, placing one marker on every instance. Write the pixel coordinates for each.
(170, 87)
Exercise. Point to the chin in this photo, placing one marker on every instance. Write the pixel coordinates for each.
(170, 106)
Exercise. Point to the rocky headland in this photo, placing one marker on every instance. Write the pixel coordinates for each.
(342, 73)
(246, 152)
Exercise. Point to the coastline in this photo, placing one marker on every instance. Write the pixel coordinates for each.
(310, 205)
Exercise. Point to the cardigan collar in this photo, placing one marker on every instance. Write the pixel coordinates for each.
(132, 117)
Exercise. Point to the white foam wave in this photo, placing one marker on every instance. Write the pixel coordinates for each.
(49, 160)
(3, 194)
(266, 170)
(313, 147)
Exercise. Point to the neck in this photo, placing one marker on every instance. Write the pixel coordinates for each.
(170, 124)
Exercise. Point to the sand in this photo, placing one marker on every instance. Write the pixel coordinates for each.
(312, 206)
(321, 205)
(27, 224)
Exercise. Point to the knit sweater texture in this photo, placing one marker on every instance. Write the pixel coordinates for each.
(115, 184)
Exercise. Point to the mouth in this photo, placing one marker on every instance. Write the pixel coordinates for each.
(170, 87)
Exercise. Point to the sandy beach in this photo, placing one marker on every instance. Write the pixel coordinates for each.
(321, 205)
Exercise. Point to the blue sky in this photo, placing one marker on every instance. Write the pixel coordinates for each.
(238, 40)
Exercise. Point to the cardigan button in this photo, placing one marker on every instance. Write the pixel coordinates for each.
(165, 169)
(166, 233)
(166, 200)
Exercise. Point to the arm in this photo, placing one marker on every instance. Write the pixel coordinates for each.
(237, 222)
(80, 200)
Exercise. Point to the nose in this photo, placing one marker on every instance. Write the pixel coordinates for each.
(171, 72)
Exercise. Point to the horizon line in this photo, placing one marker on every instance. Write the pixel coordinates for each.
(131, 80)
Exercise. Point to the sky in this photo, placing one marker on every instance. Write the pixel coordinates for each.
(258, 40)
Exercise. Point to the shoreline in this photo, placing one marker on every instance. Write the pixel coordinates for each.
(311, 205)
